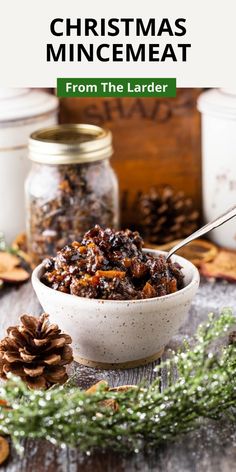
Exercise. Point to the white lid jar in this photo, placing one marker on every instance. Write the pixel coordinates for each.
(218, 108)
(22, 111)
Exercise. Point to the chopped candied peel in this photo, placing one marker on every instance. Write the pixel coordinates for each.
(148, 291)
(111, 265)
(110, 274)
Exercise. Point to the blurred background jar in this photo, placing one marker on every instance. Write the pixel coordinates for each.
(70, 188)
(218, 108)
(21, 112)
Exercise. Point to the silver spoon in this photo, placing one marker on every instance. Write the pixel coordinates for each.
(231, 213)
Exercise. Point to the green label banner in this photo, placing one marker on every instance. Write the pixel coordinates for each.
(139, 87)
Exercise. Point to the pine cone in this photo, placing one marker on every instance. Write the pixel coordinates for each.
(36, 351)
(166, 215)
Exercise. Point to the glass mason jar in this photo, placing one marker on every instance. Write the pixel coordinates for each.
(71, 186)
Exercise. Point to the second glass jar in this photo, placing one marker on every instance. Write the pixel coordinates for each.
(71, 186)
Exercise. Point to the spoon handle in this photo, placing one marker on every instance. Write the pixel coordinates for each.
(231, 213)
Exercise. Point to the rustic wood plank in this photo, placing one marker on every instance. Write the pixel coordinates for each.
(211, 449)
(158, 128)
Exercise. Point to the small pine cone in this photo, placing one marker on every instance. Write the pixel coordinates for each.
(36, 351)
(166, 215)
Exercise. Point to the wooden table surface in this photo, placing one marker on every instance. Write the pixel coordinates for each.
(210, 449)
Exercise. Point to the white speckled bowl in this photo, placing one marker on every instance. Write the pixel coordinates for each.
(119, 334)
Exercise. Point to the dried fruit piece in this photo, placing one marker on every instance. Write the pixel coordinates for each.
(223, 266)
(4, 450)
(148, 291)
(10, 270)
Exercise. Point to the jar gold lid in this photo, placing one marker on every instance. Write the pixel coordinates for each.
(70, 144)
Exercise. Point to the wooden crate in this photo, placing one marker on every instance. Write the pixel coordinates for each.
(156, 141)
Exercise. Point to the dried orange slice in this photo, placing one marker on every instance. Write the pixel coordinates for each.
(10, 270)
(197, 251)
(223, 266)
(8, 261)
(4, 450)
(119, 388)
(122, 388)
(96, 386)
(16, 275)
(110, 402)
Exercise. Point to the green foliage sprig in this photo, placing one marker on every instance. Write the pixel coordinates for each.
(205, 388)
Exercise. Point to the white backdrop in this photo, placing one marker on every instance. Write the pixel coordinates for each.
(24, 32)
